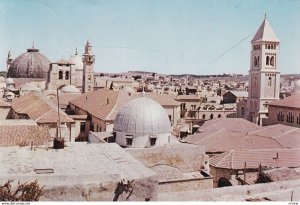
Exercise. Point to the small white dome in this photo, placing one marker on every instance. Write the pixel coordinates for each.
(296, 86)
(128, 89)
(76, 59)
(9, 81)
(142, 118)
(70, 89)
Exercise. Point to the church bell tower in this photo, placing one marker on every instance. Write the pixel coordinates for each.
(88, 59)
(264, 75)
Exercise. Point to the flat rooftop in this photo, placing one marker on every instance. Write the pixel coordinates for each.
(96, 162)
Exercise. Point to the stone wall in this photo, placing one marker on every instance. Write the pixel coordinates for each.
(90, 188)
(218, 173)
(184, 185)
(186, 157)
(235, 193)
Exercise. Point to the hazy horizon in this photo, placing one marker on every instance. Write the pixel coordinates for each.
(162, 36)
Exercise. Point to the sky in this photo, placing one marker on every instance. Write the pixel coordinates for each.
(163, 36)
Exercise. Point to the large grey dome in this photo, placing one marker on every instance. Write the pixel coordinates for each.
(31, 64)
(142, 116)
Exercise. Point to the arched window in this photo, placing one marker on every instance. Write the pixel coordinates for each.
(255, 104)
(219, 115)
(251, 104)
(269, 81)
(203, 116)
(243, 111)
(255, 61)
(272, 61)
(67, 75)
(269, 46)
(267, 60)
(60, 74)
(211, 116)
(222, 182)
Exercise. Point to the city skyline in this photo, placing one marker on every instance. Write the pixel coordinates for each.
(171, 37)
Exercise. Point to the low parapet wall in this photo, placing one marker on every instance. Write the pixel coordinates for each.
(233, 193)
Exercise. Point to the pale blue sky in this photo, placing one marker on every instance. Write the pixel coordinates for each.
(165, 36)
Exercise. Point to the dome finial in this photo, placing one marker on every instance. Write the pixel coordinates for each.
(32, 44)
(76, 52)
(265, 15)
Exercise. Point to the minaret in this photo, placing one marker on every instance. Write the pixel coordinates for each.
(8, 60)
(88, 59)
(264, 76)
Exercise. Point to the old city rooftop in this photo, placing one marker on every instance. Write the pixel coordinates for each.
(96, 162)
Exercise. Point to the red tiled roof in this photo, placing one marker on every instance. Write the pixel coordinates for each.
(235, 159)
(38, 108)
(64, 99)
(225, 134)
(225, 140)
(23, 135)
(282, 174)
(287, 136)
(291, 101)
(52, 117)
(163, 100)
(233, 124)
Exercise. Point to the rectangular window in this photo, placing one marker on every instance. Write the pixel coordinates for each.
(152, 141)
(129, 141)
(82, 126)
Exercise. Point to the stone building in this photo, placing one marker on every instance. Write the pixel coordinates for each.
(229, 166)
(264, 76)
(179, 167)
(88, 59)
(285, 111)
(45, 113)
(234, 96)
(75, 71)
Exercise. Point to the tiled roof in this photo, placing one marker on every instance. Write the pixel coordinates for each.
(225, 140)
(64, 99)
(52, 117)
(98, 103)
(287, 136)
(37, 107)
(23, 135)
(4, 104)
(188, 97)
(290, 102)
(164, 100)
(282, 174)
(240, 94)
(265, 33)
(235, 159)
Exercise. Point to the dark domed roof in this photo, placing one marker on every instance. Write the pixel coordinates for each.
(31, 64)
